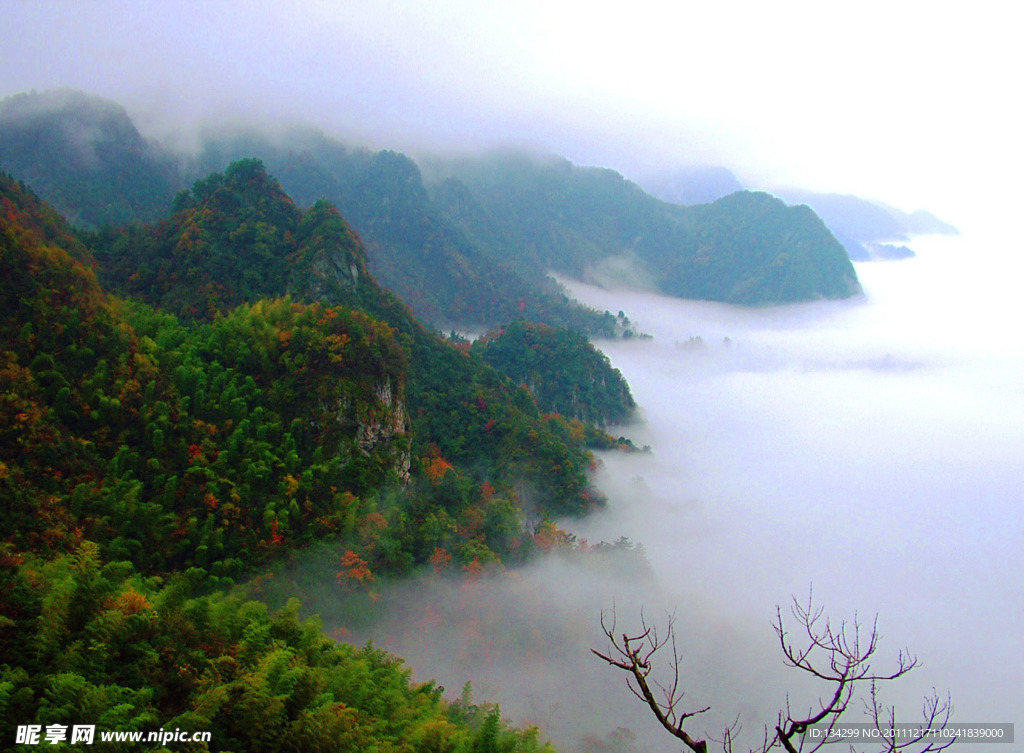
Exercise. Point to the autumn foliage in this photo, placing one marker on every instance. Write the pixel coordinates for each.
(158, 445)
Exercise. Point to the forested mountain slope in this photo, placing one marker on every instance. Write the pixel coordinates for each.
(147, 459)
(413, 249)
(86, 157)
(593, 224)
(562, 369)
(237, 236)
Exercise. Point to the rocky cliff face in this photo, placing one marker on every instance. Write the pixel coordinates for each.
(383, 429)
(368, 430)
(331, 262)
(331, 265)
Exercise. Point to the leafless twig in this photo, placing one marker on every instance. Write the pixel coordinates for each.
(837, 654)
(633, 654)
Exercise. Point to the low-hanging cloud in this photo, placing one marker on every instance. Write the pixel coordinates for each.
(867, 449)
(523, 640)
(846, 447)
(776, 93)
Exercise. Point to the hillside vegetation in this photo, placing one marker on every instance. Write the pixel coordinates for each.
(592, 224)
(203, 380)
(414, 250)
(562, 369)
(150, 460)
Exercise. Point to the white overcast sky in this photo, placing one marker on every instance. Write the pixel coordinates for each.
(915, 103)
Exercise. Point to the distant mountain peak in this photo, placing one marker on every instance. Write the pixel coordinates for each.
(83, 122)
(869, 229)
(83, 155)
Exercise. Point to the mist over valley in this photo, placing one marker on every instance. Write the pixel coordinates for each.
(865, 447)
(862, 449)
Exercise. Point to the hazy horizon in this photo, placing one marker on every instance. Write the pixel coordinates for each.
(903, 103)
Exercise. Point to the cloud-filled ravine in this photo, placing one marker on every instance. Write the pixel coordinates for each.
(868, 449)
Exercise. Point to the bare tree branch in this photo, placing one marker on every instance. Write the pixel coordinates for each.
(936, 715)
(633, 654)
(839, 655)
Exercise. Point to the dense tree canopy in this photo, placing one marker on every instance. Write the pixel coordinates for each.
(127, 653)
(562, 369)
(148, 461)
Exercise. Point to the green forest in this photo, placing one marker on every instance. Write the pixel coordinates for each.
(588, 223)
(562, 369)
(185, 406)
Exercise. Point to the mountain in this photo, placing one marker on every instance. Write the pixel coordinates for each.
(589, 223)
(211, 438)
(868, 229)
(466, 243)
(150, 438)
(150, 460)
(237, 237)
(234, 237)
(921, 222)
(446, 278)
(84, 155)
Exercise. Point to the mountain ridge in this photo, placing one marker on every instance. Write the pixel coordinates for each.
(454, 269)
(572, 220)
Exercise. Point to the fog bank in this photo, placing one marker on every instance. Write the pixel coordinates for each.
(869, 448)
